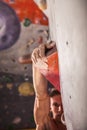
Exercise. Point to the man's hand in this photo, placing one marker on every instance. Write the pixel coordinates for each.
(39, 55)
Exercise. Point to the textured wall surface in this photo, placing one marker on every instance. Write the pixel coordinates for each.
(16, 98)
(68, 27)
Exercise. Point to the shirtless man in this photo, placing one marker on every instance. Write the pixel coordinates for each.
(45, 103)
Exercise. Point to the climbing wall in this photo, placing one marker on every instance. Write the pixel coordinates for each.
(23, 26)
(68, 27)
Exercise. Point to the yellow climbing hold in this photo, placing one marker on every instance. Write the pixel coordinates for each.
(26, 89)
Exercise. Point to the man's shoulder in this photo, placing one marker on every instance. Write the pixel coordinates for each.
(56, 126)
(52, 125)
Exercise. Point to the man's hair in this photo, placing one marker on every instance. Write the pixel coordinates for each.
(53, 92)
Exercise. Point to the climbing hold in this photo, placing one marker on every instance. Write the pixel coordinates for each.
(9, 26)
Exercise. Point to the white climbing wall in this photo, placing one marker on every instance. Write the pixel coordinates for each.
(68, 27)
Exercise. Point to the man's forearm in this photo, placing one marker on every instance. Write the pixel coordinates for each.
(40, 83)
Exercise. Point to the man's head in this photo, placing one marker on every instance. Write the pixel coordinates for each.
(56, 103)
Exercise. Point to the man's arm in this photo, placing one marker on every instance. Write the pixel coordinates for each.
(42, 100)
(42, 105)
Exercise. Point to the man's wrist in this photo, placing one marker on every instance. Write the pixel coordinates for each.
(42, 97)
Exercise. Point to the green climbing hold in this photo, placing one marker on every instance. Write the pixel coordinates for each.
(27, 22)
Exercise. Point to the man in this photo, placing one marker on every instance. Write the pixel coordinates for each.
(45, 103)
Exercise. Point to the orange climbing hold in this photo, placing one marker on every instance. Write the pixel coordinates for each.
(28, 9)
(52, 74)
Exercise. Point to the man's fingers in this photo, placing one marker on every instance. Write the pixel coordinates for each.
(42, 50)
(50, 45)
(35, 55)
